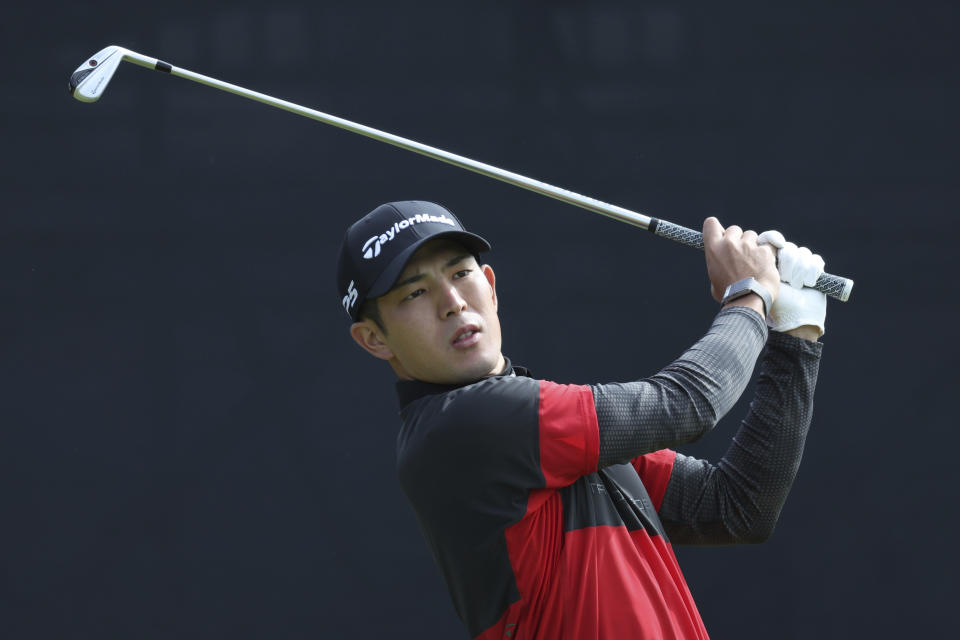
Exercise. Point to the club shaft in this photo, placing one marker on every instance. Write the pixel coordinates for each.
(834, 286)
(597, 206)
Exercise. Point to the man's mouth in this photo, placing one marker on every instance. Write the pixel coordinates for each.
(466, 337)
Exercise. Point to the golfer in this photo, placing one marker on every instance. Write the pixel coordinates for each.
(551, 509)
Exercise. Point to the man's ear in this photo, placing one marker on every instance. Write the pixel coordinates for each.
(366, 334)
(492, 280)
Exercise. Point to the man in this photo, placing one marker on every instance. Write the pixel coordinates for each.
(550, 509)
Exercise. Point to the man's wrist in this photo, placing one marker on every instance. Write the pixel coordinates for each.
(807, 332)
(752, 301)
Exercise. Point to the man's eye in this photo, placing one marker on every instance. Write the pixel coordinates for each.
(415, 294)
(462, 274)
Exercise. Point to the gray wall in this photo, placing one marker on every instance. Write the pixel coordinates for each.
(193, 448)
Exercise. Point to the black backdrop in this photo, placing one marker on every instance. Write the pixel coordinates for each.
(191, 445)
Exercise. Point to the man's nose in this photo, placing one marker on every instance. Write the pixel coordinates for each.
(452, 303)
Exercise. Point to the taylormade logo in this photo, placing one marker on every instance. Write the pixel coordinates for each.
(371, 248)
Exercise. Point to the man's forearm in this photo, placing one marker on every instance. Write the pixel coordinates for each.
(739, 499)
(687, 398)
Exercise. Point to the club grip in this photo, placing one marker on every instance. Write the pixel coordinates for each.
(676, 233)
(836, 287)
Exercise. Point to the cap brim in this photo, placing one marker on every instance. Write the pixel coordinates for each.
(389, 276)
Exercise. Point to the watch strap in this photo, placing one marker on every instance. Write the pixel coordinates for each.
(745, 287)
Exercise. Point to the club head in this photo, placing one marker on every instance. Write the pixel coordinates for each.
(91, 78)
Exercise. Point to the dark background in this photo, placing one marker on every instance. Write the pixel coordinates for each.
(192, 447)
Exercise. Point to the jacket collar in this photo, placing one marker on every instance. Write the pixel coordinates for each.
(410, 390)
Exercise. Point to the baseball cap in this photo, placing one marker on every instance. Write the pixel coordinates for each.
(377, 247)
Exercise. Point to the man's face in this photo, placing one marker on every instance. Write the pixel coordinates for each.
(440, 318)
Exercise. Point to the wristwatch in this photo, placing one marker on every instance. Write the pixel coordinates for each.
(744, 287)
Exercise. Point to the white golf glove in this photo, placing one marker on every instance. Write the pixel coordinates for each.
(798, 304)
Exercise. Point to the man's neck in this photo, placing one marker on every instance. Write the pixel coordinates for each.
(410, 390)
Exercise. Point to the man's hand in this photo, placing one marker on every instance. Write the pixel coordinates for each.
(732, 255)
(800, 310)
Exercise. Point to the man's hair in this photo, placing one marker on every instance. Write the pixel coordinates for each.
(371, 310)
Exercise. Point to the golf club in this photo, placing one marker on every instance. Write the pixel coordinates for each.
(90, 80)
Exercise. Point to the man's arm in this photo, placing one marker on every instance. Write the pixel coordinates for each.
(686, 399)
(739, 499)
